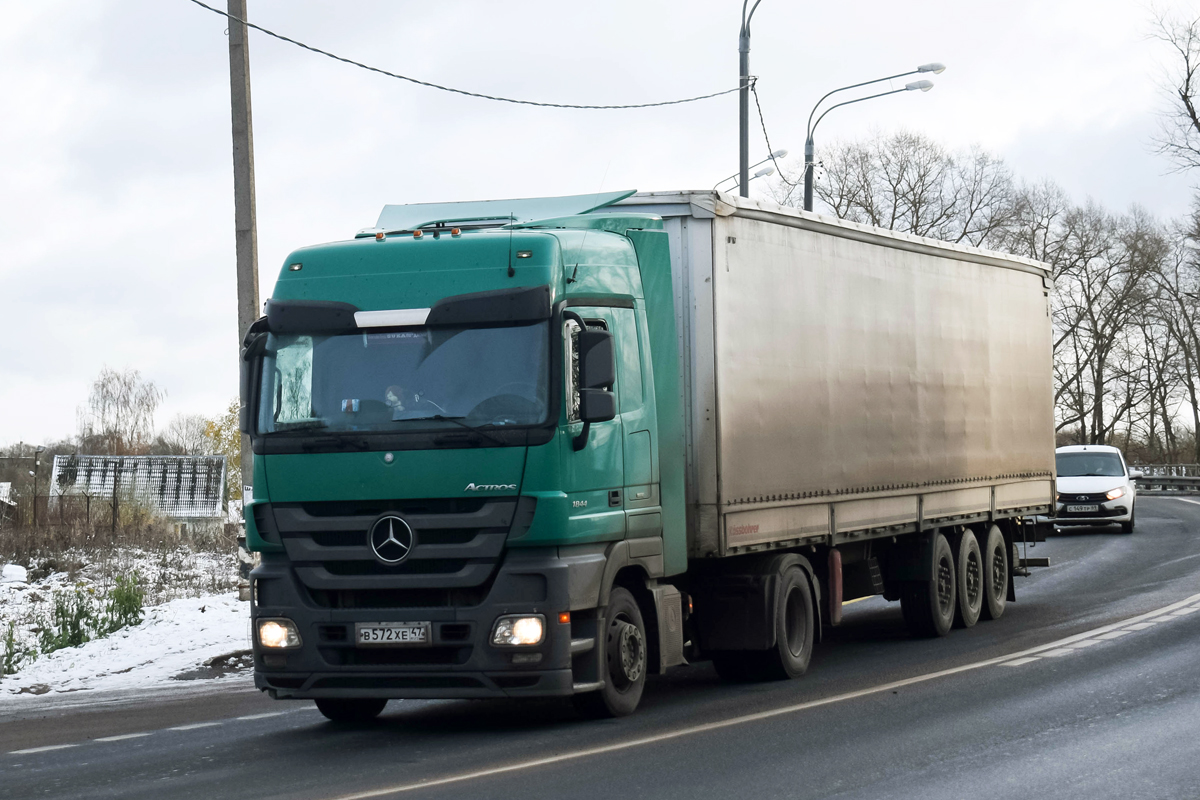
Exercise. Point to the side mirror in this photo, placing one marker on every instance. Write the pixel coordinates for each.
(597, 360)
(597, 405)
(1135, 474)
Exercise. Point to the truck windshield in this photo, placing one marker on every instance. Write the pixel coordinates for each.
(406, 379)
(1079, 465)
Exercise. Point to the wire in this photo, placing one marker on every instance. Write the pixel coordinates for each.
(369, 68)
(761, 121)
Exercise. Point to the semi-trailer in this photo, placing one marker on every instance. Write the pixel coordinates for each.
(545, 447)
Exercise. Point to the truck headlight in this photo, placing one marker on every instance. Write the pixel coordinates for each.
(1113, 494)
(278, 634)
(517, 630)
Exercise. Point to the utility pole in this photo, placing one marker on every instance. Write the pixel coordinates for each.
(243, 196)
(744, 99)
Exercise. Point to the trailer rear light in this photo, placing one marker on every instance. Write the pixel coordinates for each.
(517, 631)
(278, 634)
(1113, 494)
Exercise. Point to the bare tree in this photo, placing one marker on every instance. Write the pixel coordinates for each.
(1179, 137)
(908, 182)
(186, 435)
(119, 416)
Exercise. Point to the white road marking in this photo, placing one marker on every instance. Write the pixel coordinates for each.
(1062, 651)
(122, 737)
(706, 727)
(193, 726)
(1140, 626)
(45, 749)
(1183, 612)
(1084, 643)
(1113, 634)
(1018, 662)
(263, 716)
(1185, 500)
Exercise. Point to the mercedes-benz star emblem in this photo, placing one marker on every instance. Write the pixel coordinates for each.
(391, 539)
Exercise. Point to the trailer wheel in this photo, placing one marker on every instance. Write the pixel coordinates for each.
(793, 627)
(351, 709)
(624, 643)
(969, 571)
(995, 574)
(928, 605)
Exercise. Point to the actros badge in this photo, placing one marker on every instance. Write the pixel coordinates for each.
(392, 539)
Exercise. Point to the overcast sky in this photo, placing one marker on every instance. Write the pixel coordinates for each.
(116, 209)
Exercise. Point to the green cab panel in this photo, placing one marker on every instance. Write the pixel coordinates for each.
(412, 474)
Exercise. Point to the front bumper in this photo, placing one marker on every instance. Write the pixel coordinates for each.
(461, 663)
(1111, 512)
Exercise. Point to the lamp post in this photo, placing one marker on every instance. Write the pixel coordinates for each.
(774, 156)
(37, 463)
(923, 86)
(744, 98)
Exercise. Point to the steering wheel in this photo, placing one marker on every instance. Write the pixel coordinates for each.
(510, 406)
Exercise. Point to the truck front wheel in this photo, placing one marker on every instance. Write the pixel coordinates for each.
(351, 709)
(624, 643)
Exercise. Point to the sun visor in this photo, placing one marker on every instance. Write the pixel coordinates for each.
(310, 316)
(499, 307)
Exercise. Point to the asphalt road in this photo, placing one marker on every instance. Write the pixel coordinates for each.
(1007, 709)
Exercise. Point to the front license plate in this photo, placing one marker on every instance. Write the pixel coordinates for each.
(392, 634)
(1082, 509)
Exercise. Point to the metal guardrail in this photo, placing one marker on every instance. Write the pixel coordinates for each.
(1168, 484)
(1168, 470)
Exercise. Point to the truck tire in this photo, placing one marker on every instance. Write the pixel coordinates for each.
(795, 623)
(968, 568)
(995, 574)
(928, 605)
(351, 709)
(793, 627)
(625, 658)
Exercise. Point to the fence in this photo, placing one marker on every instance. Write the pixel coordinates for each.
(1168, 479)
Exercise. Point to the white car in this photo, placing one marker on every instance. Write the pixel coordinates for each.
(1095, 486)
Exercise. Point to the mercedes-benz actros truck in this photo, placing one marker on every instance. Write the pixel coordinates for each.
(546, 447)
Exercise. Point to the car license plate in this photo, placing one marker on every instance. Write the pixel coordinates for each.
(392, 634)
(1082, 509)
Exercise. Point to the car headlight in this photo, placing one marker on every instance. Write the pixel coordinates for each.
(278, 634)
(1113, 494)
(518, 630)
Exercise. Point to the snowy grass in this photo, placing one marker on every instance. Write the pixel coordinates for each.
(173, 579)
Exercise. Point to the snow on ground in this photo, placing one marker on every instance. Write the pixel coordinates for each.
(169, 646)
(192, 615)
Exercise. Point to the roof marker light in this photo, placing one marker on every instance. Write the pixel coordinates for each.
(418, 234)
(295, 267)
(381, 237)
(524, 254)
(456, 231)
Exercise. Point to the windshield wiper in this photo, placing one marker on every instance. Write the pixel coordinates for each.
(305, 425)
(335, 442)
(459, 421)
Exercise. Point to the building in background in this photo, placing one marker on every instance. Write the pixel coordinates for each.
(8, 506)
(190, 490)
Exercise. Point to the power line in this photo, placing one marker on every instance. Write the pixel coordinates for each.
(778, 169)
(419, 82)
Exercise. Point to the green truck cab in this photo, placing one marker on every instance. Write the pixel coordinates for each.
(459, 459)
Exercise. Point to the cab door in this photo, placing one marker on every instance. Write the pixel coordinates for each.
(594, 476)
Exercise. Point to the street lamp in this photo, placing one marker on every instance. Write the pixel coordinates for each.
(744, 98)
(776, 155)
(37, 463)
(922, 85)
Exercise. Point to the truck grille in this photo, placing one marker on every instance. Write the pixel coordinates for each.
(459, 543)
